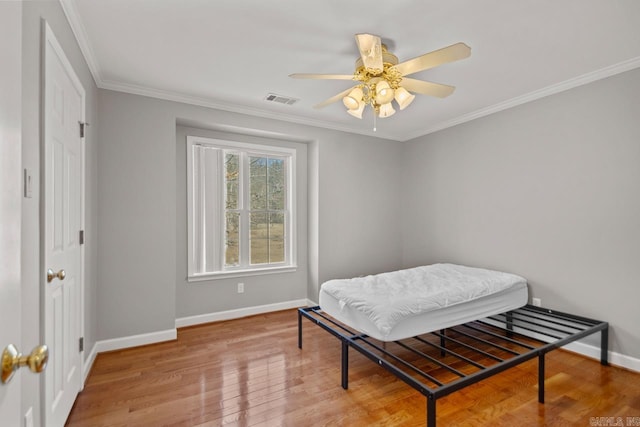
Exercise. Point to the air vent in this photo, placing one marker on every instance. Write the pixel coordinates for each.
(272, 97)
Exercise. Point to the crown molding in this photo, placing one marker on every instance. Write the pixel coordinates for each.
(583, 79)
(234, 108)
(70, 10)
(77, 27)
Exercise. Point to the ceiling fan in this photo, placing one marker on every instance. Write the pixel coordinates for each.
(381, 79)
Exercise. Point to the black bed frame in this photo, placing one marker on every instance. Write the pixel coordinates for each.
(507, 339)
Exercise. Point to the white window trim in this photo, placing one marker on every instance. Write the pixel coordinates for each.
(193, 275)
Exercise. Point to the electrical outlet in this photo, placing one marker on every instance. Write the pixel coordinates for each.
(536, 301)
(240, 288)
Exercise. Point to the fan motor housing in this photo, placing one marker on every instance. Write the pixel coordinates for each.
(387, 58)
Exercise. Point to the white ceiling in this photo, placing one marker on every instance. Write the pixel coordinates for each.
(230, 54)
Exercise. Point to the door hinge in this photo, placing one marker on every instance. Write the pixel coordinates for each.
(83, 126)
(81, 237)
(81, 344)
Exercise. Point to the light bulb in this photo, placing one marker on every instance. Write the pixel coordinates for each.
(384, 93)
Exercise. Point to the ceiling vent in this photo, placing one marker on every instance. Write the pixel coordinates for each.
(272, 97)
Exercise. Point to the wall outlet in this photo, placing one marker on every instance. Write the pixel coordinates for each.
(536, 301)
(240, 288)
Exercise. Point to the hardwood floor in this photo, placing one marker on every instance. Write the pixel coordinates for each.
(250, 372)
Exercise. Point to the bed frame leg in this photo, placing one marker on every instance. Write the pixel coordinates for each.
(541, 378)
(345, 365)
(604, 346)
(509, 324)
(299, 329)
(443, 342)
(431, 411)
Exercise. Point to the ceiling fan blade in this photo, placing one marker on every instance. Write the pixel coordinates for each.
(333, 99)
(433, 59)
(322, 76)
(370, 48)
(427, 88)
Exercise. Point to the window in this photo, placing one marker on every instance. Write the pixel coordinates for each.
(240, 208)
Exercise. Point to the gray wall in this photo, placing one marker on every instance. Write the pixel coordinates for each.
(352, 184)
(549, 190)
(137, 188)
(359, 195)
(33, 14)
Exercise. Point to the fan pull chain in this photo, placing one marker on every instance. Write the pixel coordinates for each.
(374, 120)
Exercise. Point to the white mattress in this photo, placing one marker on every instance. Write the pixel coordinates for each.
(405, 303)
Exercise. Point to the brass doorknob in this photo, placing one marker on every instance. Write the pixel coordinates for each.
(51, 275)
(12, 360)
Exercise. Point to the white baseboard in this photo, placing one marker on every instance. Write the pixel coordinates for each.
(135, 340)
(240, 312)
(587, 350)
(125, 342)
(89, 363)
(171, 334)
(593, 352)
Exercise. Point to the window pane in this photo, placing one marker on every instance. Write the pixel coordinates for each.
(276, 237)
(232, 179)
(276, 184)
(239, 218)
(258, 182)
(259, 238)
(232, 243)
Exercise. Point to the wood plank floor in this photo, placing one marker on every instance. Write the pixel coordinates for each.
(250, 372)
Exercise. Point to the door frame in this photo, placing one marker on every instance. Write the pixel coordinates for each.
(49, 41)
(11, 210)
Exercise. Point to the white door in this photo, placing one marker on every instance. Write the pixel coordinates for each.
(63, 185)
(10, 199)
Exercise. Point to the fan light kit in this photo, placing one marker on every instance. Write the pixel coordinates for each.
(382, 79)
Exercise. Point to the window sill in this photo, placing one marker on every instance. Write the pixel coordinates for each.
(241, 273)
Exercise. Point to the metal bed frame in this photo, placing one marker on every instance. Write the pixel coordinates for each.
(462, 355)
